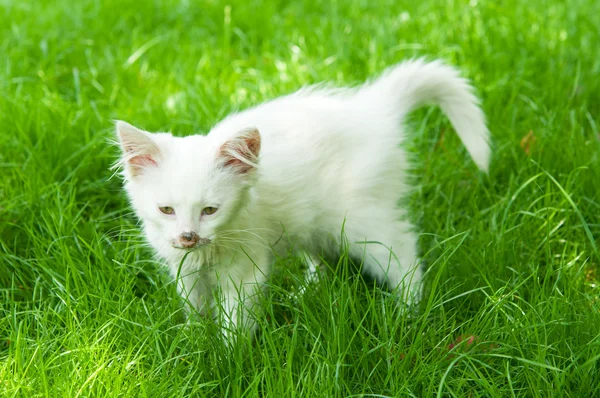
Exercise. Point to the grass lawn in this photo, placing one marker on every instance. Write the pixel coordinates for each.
(512, 306)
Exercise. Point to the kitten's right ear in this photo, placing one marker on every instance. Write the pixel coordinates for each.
(139, 151)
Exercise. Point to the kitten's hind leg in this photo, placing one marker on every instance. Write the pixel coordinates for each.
(314, 267)
(390, 255)
(312, 274)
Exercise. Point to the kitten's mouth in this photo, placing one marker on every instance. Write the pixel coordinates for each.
(202, 242)
(189, 249)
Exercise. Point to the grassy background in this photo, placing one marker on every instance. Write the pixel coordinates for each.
(513, 303)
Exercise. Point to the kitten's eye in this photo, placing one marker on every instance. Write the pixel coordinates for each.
(166, 210)
(209, 210)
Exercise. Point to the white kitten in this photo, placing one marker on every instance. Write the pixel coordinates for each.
(296, 169)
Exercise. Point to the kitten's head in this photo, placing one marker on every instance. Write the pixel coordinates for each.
(186, 190)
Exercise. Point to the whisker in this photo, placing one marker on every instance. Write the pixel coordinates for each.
(235, 232)
(243, 242)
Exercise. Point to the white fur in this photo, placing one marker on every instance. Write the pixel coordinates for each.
(329, 159)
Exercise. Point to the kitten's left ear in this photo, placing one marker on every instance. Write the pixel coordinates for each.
(140, 151)
(241, 152)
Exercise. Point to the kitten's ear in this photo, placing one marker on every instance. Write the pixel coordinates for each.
(139, 149)
(240, 153)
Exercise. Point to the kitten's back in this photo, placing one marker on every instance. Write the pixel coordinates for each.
(326, 152)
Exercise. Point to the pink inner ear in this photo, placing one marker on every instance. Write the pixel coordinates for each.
(246, 147)
(253, 144)
(231, 161)
(143, 160)
(240, 166)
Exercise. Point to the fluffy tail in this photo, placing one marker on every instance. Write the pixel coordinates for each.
(414, 83)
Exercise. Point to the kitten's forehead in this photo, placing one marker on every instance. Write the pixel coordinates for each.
(194, 150)
(188, 165)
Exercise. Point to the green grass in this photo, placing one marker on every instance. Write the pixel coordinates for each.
(512, 258)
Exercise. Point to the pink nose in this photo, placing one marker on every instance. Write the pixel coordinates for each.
(188, 239)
